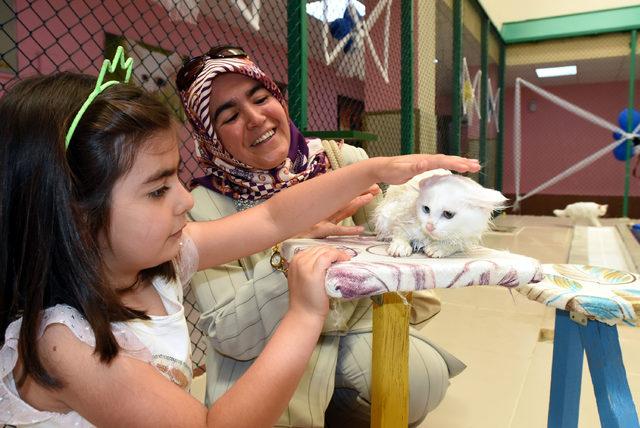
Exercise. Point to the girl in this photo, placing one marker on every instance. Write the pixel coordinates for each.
(95, 250)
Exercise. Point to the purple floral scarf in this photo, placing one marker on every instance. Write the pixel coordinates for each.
(229, 176)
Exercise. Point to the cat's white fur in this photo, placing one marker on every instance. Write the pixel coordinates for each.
(402, 218)
(583, 212)
(156, 71)
(153, 69)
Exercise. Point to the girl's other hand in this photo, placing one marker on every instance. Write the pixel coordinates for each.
(306, 276)
(399, 169)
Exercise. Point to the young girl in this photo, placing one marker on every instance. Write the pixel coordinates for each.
(95, 250)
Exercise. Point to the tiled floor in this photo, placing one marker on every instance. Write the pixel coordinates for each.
(506, 342)
(498, 335)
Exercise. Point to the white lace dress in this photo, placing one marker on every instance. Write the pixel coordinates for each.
(163, 341)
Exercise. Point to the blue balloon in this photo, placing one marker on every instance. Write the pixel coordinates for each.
(620, 152)
(341, 28)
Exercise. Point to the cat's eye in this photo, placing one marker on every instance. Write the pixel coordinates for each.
(425, 209)
(448, 214)
(160, 81)
(144, 77)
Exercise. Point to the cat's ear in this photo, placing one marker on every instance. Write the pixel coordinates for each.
(428, 178)
(493, 198)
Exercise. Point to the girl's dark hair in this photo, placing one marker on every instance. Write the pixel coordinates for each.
(54, 203)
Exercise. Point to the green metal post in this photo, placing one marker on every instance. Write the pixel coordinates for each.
(456, 102)
(406, 78)
(297, 56)
(484, 96)
(632, 81)
(500, 142)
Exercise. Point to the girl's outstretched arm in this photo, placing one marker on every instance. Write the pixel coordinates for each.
(299, 207)
(129, 392)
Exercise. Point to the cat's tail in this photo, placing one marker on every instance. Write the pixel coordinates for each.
(558, 213)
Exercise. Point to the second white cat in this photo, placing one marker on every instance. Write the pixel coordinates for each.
(436, 212)
(583, 212)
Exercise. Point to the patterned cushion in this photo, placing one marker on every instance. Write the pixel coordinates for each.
(371, 271)
(607, 295)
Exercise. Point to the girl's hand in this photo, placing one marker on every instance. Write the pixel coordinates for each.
(399, 169)
(331, 226)
(306, 276)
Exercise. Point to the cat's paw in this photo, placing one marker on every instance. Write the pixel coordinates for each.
(399, 248)
(438, 251)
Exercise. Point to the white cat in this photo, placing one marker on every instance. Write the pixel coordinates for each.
(155, 71)
(583, 212)
(436, 212)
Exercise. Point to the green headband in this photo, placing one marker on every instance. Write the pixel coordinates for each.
(110, 66)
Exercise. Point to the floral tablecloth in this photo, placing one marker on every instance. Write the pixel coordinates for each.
(371, 271)
(607, 295)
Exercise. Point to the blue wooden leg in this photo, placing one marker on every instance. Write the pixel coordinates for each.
(566, 373)
(615, 404)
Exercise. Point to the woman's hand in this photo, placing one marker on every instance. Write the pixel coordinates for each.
(399, 169)
(331, 226)
(306, 276)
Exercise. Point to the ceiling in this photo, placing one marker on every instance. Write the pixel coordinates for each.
(501, 11)
(599, 58)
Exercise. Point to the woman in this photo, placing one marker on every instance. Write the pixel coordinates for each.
(250, 150)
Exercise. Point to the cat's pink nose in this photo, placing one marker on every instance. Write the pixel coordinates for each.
(429, 227)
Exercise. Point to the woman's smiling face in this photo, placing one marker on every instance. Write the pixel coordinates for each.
(249, 121)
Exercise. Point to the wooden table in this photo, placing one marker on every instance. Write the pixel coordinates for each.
(389, 281)
(390, 365)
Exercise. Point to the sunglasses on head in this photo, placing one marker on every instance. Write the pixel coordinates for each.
(192, 68)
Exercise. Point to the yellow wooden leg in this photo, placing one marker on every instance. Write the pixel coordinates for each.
(390, 365)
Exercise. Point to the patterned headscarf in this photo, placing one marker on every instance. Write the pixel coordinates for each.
(227, 175)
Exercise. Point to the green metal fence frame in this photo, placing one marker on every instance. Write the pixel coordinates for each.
(632, 82)
(578, 24)
(297, 56)
(407, 118)
(456, 93)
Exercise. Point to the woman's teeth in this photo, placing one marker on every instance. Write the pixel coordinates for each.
(263, 138)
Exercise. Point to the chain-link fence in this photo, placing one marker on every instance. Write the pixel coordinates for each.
(561, 122)
(471, 82)
(430, 74)
(354, 73)
(444, 79)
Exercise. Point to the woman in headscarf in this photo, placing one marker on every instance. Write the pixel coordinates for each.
(250, 150)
